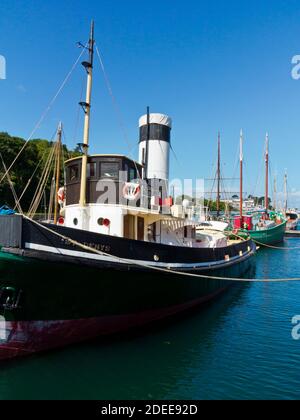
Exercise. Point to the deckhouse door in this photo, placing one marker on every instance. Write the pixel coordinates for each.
(129, 227)
(141, 228)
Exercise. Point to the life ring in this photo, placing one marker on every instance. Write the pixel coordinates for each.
(61, 195)
(131, 191)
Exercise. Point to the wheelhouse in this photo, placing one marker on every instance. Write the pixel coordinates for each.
(102, 171)
(119, 202)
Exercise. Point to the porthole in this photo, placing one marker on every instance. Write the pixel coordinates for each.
(75, 221)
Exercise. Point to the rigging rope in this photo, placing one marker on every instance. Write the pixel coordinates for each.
(78, 114)
(11, 186)
(44, 115)
(63, 161)
(30, 180)
(52, 197)
(33, 174)
(235, 168)
(113, 98)
(159, 269)
(259, 174)
(175, 155)
(42, 183)
(116, 107)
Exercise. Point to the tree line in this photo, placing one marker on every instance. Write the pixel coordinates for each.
(28, 167)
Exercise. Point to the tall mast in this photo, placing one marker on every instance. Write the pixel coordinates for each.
(275, 193)
(285, 193)
(241, 175)
(267, 174)
(219, 175)
(87, 110)
(57, 179)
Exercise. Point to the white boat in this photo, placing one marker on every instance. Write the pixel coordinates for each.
(292, 220)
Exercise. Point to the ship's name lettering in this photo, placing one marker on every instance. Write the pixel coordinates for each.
(98, 247)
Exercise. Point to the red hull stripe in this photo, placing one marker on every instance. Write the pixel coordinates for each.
(21, 338)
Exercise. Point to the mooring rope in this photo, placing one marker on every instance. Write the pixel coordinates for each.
(261, 244)
(281, 248)
(159, 269)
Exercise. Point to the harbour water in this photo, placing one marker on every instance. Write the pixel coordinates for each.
(240, 346)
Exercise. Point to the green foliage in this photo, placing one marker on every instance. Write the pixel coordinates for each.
(212, 205)
(35, 154)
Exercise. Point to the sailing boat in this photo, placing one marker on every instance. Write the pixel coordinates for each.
(120, 254)
(209, 224)
(291, 215)
(268, 227)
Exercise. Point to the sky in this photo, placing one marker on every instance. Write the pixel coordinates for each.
(210, 65)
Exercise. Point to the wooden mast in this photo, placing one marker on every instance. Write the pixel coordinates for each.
(267, 174)
(57, 179)
(219, 175)
(241, 177)
(285, 193)
(87, 110)
(275, 193)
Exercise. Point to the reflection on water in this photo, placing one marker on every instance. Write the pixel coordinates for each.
(238, 347)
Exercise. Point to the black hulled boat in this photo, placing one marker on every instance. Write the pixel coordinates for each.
(119, 255)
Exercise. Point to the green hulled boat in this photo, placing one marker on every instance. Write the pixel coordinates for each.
(269, 236)
(268, 229)
(264, 227)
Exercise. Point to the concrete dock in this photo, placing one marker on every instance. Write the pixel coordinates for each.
(292, 233)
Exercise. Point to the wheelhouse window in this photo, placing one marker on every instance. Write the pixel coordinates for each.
(132, 174)
(109, 170)
(73, 173)
(91, 170)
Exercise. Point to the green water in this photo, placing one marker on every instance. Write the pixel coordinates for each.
(238, 347)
